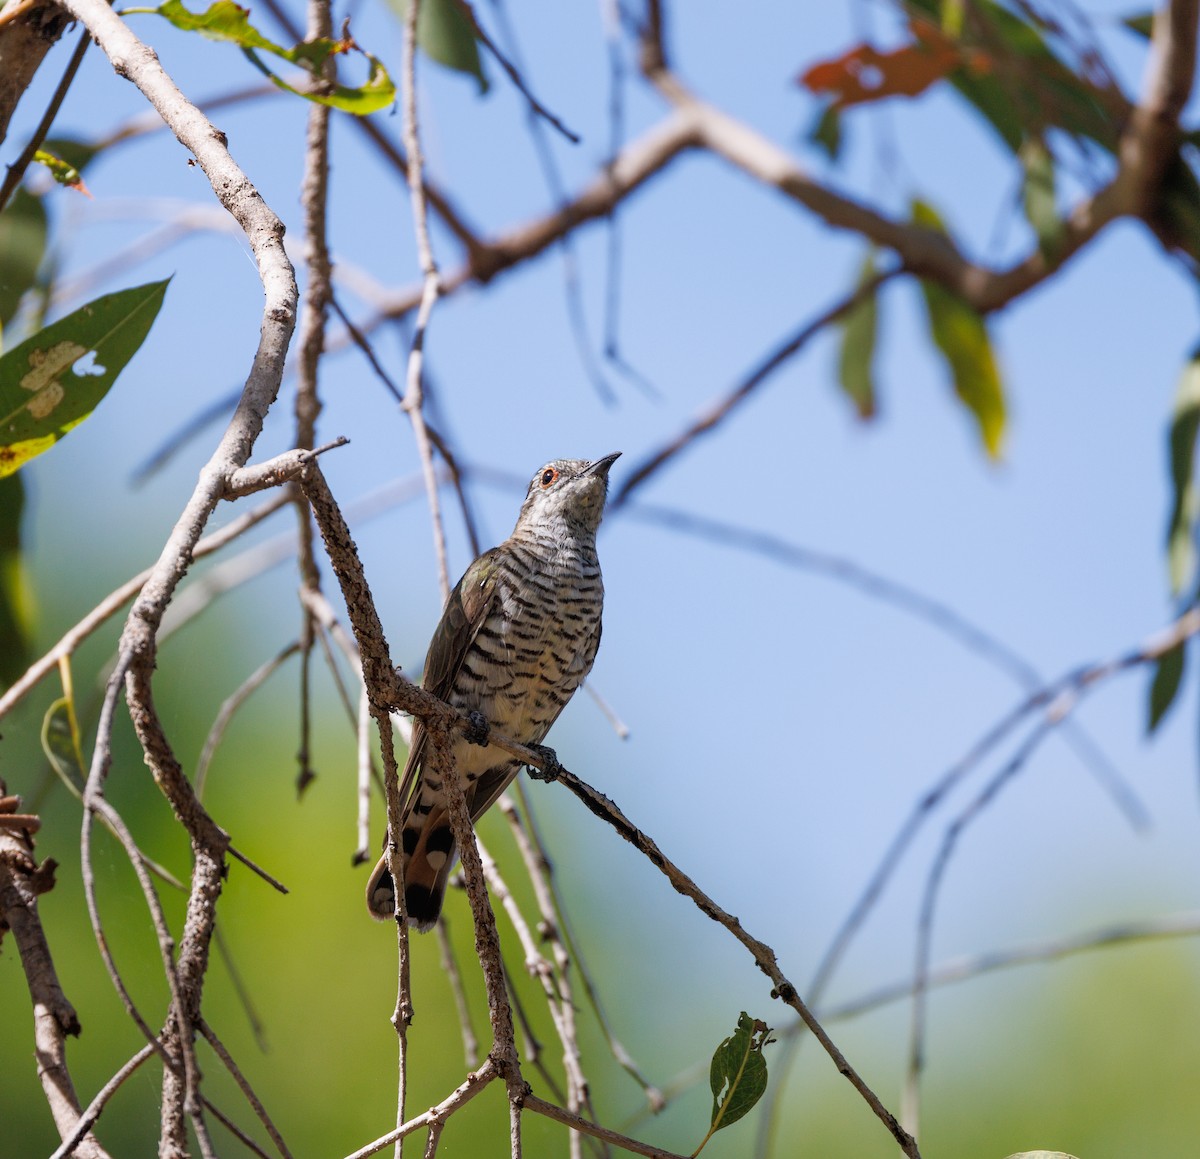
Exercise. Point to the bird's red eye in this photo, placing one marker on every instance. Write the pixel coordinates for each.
(548, 476)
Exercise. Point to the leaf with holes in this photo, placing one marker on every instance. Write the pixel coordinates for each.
(738, 1074)
(53, 380)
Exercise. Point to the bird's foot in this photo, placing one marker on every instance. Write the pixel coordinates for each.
(478, 730)
(551, 767)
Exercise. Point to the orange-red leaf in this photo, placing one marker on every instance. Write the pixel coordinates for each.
(867, 74)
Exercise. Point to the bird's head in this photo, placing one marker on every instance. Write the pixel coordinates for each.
(567, 492)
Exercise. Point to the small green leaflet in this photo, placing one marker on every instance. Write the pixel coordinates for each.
(62, 171)
(1168, 675)
(228, 22)
(52, 381)
(446, 34)
(855, 362)
(826, 132)
(962, 337)
(22, 246)
(61, 743)
(1142, 23)
(1185, 421)
(738, 1075)
(1038, 196)
(1181, 531)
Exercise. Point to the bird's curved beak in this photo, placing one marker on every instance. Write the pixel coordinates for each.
(601, 466)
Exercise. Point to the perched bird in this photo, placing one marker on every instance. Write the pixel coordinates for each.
(518, 635)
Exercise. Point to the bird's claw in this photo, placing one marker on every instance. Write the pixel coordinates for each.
(478, 730)
(551, 767)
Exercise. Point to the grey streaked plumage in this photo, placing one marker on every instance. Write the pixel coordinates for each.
(518, 635)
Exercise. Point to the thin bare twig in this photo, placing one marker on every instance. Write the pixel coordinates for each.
(764, 957)
(230, 706)
(971, 966)
(244, 1086)
(717, 411)
(318, 294)
(553, 978)
(430, 288)
(541, 873)
(536, 108)
(443, 448)
(572, 287)
(113, 603)
(898, 595)
(17, 169)
(454, 978)
(70, 1143)
(475, 1082)
(578, 1123)
(911, 1104)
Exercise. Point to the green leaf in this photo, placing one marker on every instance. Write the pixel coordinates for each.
(228, 22)
(952, 17)
(1027, 87)
(61, 743)
(378, 93)
(446, 34)
(1177, 217)
(62, 171)
(1168, 675)
(960, 334)
(826, 132)
(22, 246)
(1142, 24)
(1185, 422)
(53, 380)
(74, 152)
(16, 605)
(855, 363)
(738, 1074)
(1038, 196)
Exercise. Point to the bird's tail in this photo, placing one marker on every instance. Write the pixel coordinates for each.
(430, 854)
